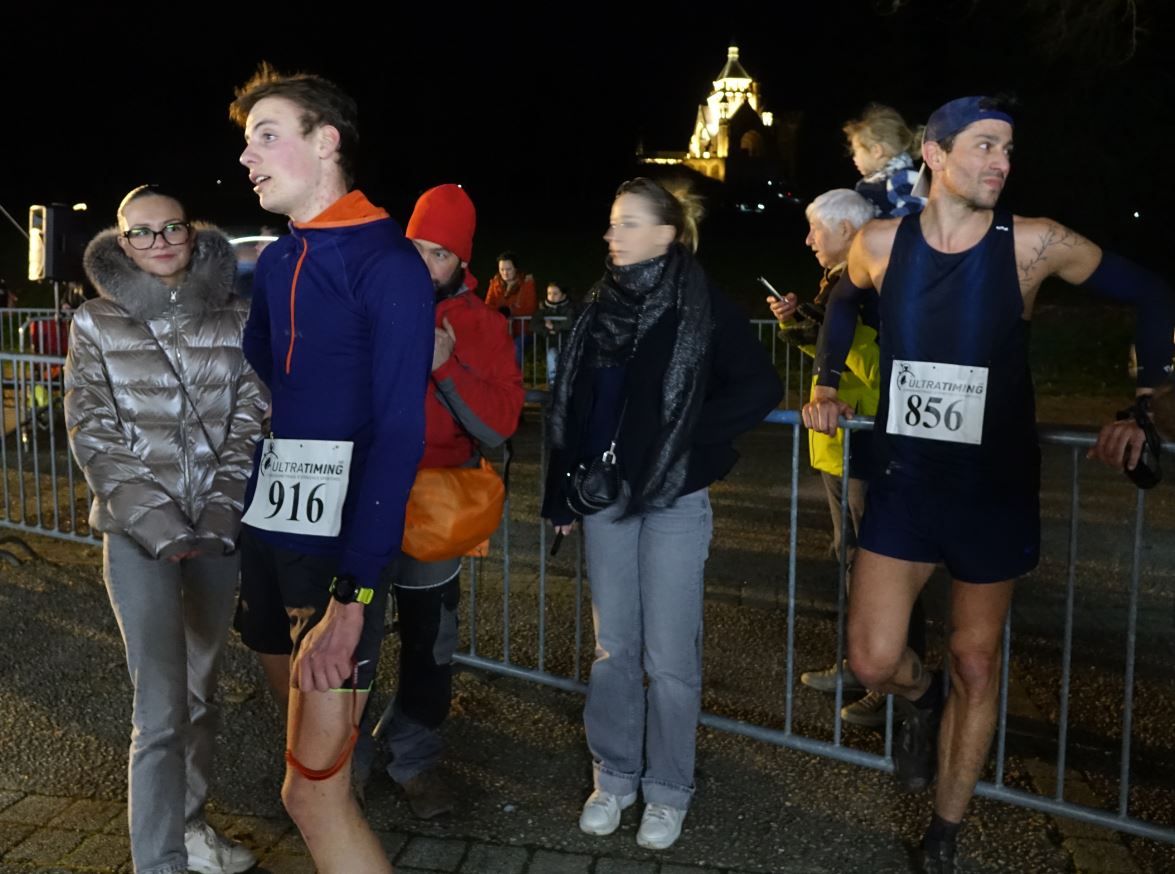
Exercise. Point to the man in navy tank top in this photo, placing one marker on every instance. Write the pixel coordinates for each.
(957, 465)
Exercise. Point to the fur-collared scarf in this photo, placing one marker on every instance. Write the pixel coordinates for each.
(626, 303)
(207, 285)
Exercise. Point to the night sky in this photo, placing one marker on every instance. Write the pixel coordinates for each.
(538, 111)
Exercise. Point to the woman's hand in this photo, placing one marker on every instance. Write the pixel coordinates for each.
(564, 529)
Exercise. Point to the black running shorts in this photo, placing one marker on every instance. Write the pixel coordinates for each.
(285, 593)
(980, 537)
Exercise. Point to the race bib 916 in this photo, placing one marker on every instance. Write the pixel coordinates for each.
(301, 486)
(937, 401)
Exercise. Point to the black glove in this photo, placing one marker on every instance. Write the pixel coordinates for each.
(803, 333)
(1148, 473)
(811, 312)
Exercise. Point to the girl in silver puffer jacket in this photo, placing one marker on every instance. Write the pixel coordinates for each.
(163, 413)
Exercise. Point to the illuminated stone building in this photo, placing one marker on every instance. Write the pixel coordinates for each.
(734, 136)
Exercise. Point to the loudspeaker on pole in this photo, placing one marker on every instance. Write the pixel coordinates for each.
(55, 244)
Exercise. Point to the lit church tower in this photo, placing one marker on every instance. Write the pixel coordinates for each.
(731, 129)
(733, 88)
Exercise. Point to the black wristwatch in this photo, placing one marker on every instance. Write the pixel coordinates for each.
(1148, 472)
(346, 590)
(1139, 411)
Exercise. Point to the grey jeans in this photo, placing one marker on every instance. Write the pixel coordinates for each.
(174, 619)
(646, 577)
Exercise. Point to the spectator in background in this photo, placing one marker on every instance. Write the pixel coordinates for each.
(880, 142)
(512, 293)
(558, 313)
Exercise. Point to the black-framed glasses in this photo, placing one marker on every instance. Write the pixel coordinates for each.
(173, 233)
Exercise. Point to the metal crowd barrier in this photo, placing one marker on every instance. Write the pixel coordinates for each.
(533, 356)
(787, 735)
(14, 324)
(44, 493)
(42, 488)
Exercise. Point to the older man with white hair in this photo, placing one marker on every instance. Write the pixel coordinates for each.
(834, 218)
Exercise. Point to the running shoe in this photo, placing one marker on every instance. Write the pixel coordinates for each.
(825, 680)
(938, 857)
(869, 711)
(915, 749)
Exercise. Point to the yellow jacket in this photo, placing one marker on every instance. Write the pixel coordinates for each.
(859, 388)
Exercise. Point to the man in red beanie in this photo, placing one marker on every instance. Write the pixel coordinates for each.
(474, 398)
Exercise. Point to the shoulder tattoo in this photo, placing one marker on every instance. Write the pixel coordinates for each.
(1048, 242)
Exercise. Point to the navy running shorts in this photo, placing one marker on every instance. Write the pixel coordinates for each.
(981, 537)
(285, 593)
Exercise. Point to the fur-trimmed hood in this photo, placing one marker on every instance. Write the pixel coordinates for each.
(208, 285)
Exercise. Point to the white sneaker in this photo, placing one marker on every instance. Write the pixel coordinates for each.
(210, 852)
(601, 812)
(660, 826)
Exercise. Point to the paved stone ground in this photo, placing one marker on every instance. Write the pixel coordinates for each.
(41, 833)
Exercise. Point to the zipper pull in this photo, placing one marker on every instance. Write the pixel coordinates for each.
(174, 295)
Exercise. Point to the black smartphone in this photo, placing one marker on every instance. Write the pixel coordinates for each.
(558, 542)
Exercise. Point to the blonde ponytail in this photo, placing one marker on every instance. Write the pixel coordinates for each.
(673, 202)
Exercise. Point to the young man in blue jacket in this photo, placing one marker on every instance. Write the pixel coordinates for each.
(341, 332)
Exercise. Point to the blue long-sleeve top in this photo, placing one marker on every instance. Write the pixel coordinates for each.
(341, 330)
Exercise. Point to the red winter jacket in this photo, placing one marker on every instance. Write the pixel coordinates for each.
(522, 301)
(477, 394)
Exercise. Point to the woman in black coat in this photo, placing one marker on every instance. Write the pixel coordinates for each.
(662, 366)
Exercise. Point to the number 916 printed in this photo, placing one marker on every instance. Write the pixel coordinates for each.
(314, 505)
(301, 487)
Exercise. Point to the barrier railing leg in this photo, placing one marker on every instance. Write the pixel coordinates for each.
(1131, 646)
(794, 516)
(1067, 645)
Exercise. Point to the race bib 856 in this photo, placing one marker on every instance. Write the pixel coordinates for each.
(937, 401)
(301, 486)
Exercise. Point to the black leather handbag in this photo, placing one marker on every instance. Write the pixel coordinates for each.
(595, 483)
